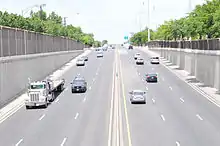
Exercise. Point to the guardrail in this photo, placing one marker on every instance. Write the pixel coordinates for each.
(208, 44)
(14, 41)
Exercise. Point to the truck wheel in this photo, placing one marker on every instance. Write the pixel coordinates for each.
(53, 97)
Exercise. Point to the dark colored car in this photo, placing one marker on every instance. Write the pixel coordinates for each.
(130, 47)
(79, 85)
(151, 77)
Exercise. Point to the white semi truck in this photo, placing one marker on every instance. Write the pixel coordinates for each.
(40, 93)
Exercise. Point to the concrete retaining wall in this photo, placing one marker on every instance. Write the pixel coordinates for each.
(205, 66)
(15, 71)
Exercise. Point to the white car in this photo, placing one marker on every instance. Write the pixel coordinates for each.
(99, 54)
(155, 60)
(137, 55)
(138, 96)
(140, 61)
(80, 62)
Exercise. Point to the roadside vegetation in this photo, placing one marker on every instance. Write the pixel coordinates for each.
(47, 24)
(202, 23)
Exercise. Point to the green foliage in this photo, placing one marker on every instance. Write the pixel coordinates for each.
(39, 22)
(141, 37)
(104, 42)
(202, 22)
(97, 44)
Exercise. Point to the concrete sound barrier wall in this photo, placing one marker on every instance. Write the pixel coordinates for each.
(15, 71)
(203, 64)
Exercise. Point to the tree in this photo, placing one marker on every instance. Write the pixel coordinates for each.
(39, 22)
(104, 42)
(54, 17)
(202, 22)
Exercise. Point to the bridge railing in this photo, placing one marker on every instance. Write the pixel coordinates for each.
(208, 44)
(15, 41)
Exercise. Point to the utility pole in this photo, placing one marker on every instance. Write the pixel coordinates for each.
(190, 6)
(148, 13)
(41, 10)
(64, 21)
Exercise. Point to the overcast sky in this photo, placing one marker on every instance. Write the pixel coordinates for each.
(108, 19)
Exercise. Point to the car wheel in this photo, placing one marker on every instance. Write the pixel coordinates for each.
(27, 107)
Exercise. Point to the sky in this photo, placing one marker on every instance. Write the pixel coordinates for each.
(108, 19)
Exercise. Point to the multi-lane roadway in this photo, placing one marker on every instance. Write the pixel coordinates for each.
(175, 114)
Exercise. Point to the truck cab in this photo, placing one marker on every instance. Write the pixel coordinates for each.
(40, 93)
(37, 94)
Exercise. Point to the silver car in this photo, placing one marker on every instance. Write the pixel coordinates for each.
(137, 96)
(80, 62)
(137, 55)
(140, 61)
(100, 54)
(155, 60)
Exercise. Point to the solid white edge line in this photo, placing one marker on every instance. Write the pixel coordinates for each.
(162, 117)
(41, 117)
(199, 117)
(18, 142)
(63, 142)
(76, 116)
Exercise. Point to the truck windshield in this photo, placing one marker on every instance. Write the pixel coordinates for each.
(37, 86)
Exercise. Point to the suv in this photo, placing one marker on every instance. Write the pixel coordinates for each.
(79, 85)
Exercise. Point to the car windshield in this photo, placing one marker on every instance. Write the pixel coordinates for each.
(42, 86)
(151, 75)
(78, 81)
(138, 54)
(81, 59)
(140, 59)
(138, 93)
(155, 57)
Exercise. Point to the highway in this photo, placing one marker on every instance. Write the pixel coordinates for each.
(175, 114)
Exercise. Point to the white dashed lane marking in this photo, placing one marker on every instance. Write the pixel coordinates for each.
(177, 143)
(17, 144)
(153, 100)
(41, 117)
(182, 100)
(162, 117)
(199, 117)
(170, 88)
(63, 142)
(76, 116)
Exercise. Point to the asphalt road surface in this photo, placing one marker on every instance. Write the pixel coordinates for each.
(175, 114)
